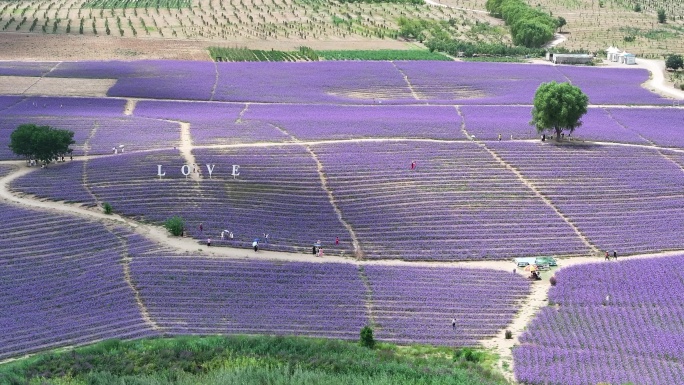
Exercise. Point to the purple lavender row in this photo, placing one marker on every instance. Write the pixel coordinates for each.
(22, 68)
(61, 182)
(311, 122)
(664, 127)
(100, 134)
(487, 122)
(612, 85)
(312, 82)
(422, 312)
(153, 79)
(212, 123)
(458, 204)
(59, 287)
(616, 204)
(608, 312)
(208, 296)
(61, 106)
(7, 101)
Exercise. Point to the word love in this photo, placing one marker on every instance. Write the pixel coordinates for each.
(185, 170)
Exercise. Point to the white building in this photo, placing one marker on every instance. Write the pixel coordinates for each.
(613, 54)
(627, 58)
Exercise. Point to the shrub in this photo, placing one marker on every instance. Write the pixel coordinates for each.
(367, 339)
(552, 281)
(470, 355)
(674, 62)
(637, 7)
(662, 18)
(175, 225)
(509, 335)
(107, 208)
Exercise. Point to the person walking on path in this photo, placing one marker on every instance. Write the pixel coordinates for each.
(208, 241)
(453, 323)
(615, 255)
(314, 250)
(320, 252)
(499, 137)
(337, 240)
(413, 165)
(255, 245)
(607, 256)
(223, 234)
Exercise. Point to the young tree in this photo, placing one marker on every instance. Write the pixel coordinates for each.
(560, 22)
(558, 107)
(674, 62)
(662, 18)
(637, 7)
(43, 143)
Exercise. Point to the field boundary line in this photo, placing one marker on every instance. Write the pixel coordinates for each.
(358, 252)
(186, 147)
(242, 113)
(129, 108)
(406, 79)
(213, 89)
(368, 300)
(41, 77)
(531, 186)
(127, 259)
(84, 169)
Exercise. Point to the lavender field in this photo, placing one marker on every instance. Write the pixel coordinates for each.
(613, 322)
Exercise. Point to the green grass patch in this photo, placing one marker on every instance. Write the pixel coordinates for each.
(385, 54)
(244, 54)
(117, 4)
(251, 360)
(495, 59)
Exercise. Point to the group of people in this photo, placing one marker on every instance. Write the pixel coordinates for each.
(607, 257)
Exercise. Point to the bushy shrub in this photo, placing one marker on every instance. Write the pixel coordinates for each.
(107, 208)
(470, 355)
(175, 225)
(509, 335)
(367, 339)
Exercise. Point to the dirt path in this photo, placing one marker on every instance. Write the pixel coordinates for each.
(439, 4)
(186, 150)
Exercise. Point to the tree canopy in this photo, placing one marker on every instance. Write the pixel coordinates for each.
(42, 143)
(529, 26)
(561, 22)
(674, 62)
(558, 107)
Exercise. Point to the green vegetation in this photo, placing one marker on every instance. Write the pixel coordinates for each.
(674, 62)
(119, 4)
(107, 208)
(42, 143)
(416, 2)
(529, 26)
(308, 54)
(495, 59)
(366, 337)
(245, 54)
(466, 49)
(251, 360)
(662, 17)
(175, 225)
(385, 54)
(558, 107)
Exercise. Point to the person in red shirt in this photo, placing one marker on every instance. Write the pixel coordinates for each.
(337, 240)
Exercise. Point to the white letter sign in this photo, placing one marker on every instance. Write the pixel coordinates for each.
(159, 171)
(210, 169)
(236, 171)
(185, 170)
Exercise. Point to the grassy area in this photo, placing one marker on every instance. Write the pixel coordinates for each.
(308, 54)
(251, 360)
(382, 55)
(495, 59)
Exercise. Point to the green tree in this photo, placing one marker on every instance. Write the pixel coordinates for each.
(558, 107)
(561, 22)
(43, 143)
(637, 7)
(662, 17)
(366, 336)
(175, 225)
(674, 62)
(531, 33)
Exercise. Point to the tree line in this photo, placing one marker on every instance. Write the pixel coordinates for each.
(530, 27)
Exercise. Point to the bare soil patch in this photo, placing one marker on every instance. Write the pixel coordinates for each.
(27, 85)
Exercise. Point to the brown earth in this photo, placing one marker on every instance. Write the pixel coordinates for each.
(46, 47)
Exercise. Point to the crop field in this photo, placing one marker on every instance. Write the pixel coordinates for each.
(611, 323)
(595, 25)
(243, 21)
(323, 152)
